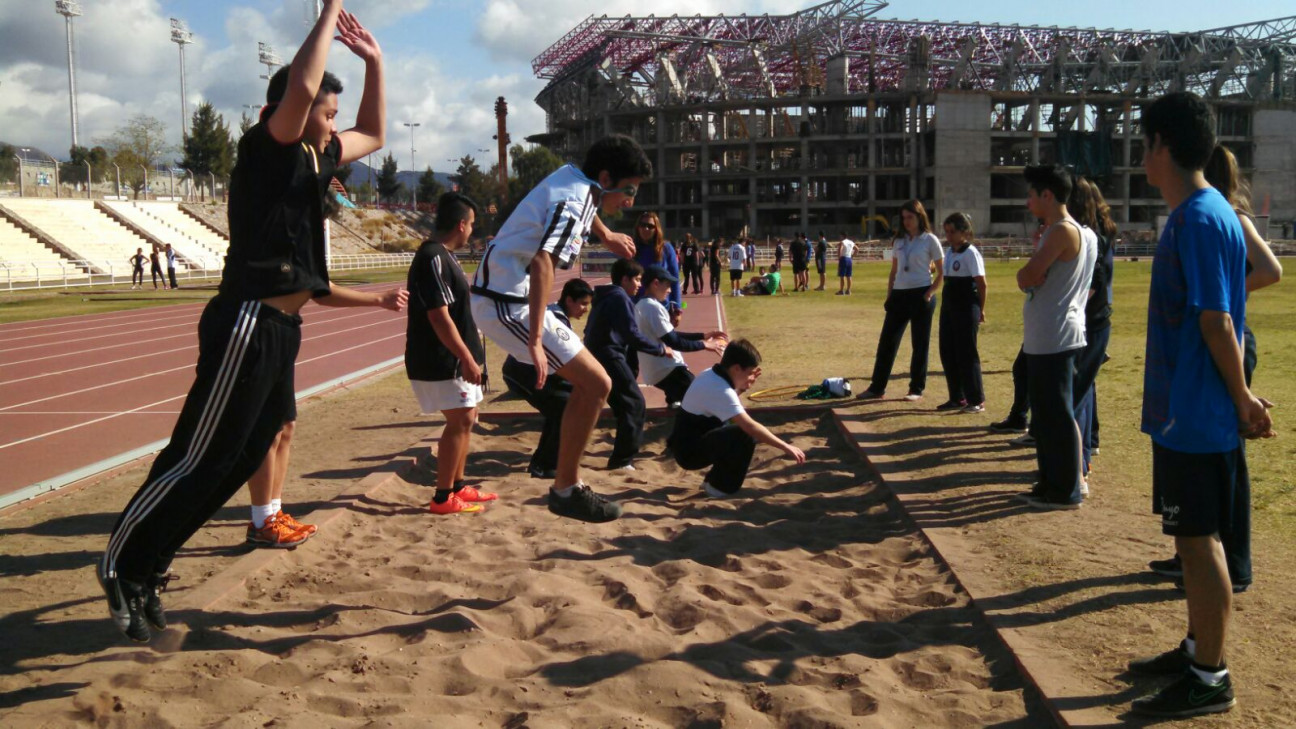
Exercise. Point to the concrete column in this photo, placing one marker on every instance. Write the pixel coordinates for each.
(662, 136)
(751, 162)
(962, 159)
(871, 129)
(1128, 147)
(1272, 182)
(704, 166)
(838, 75)
(1035, 131)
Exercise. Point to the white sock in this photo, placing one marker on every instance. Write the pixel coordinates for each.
(1209, 677)
(714, 492)
(277, 505)
(566, 491)
(261, 513)
(1191, 645)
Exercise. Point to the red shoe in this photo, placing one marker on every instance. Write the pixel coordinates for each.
(294, 524)
(275, 534)
(473, 496)
(454, 505)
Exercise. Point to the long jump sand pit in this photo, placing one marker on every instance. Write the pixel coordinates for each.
(810, 601)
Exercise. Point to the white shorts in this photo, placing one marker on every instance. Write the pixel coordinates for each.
(508, 325)
(435, 396)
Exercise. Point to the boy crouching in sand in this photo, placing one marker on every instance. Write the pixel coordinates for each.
(443, 351)
(712, 428)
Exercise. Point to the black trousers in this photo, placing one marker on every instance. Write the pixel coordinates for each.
(715, 279)
(695, 275)
(1057, 437)
(156, 272)
(137, 276)
(239, 400)
(1021, 391)
(1085, 396)
(904, 308)
(959, 324)
(627, 403)
(676, 384)
(171, 275)
(550, 402)
(727, 450)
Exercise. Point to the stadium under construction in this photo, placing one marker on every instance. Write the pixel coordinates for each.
(830, 118)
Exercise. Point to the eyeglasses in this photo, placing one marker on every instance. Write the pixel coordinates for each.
(647, 226)
(628, 190)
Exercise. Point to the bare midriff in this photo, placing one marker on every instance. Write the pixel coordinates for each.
(288, 303)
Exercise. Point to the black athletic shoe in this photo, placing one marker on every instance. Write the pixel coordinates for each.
(1189, 696)
(1238, 587)
(1171, 663)
(153, 611)
(542, 473)
(952, 405)
(1167, 567)
(126, 607)
(1009, 424)
(583, 504)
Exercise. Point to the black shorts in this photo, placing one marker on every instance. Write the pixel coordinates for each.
(735, 274)
(798, 266)
(821, 265)
(1200, 494)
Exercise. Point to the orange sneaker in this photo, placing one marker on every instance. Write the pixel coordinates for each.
(454, 505)
(276, 534)
(473, 496)
(285, 518)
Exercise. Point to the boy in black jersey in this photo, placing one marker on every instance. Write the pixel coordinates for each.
(250, 332)
(443, 351)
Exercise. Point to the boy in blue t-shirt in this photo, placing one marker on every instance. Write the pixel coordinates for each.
(1196, 402)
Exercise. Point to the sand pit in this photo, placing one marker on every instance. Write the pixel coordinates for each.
(810, 602)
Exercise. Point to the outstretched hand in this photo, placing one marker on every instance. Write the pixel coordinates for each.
(395, 300)
(356, 37)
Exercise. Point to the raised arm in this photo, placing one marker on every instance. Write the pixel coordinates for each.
(288, 122)
(370, 130)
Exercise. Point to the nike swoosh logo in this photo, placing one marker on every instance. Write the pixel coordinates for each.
(1197, 698)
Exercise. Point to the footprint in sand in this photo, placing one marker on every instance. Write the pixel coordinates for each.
(773, 581)
(822, 614)
(862, 704)
(711, 592)
(833, 560)
(622, 599)
(682, 616)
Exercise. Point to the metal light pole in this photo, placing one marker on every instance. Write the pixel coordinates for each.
(267, 57)
(70, 9)
(181, 36)
(414, 187)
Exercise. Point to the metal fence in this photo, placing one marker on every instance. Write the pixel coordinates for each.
(20, 275)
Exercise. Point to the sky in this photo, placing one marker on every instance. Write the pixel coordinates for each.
(446, 60)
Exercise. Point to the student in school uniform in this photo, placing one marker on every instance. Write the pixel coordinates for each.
(614, 338)
(669, 374)
(911, 301)
(712, 429)
(550, 400)
(714, 251)
(821, 260)
(737, 264)
(962, 314)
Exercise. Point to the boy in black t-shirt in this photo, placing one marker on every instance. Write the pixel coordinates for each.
(443, 351)
(249, 334)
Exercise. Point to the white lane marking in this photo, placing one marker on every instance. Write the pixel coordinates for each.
(86, 412)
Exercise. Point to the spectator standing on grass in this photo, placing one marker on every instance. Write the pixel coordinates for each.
(737, 264)
(1090, 209)
(1196, 401)
(750, 251)
(1017, 420)
(1056, 282)
(1262, 270)
(800, 261)
(714, 251)
(845, 265)
(250, 332)
(910, 302)
(155, 262)
(821, 260)
(962, 314)
(778, 253)
(652, 249)
(171, 266)
(137, 269)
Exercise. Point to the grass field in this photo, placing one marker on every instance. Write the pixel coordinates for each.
(806, 337)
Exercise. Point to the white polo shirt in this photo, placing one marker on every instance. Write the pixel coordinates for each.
(737, 257)
(712, 395)
(846, 249)
(654, 322)
(967, 264)
(913, 257)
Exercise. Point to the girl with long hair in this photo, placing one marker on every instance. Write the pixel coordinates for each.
(652, 249)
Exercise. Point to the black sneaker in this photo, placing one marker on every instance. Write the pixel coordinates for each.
(541, 473)
(952, 405)
(1167, 567)
(583, 504)
(126, 606)
(1009, 424)
(1171, 663)
(153, 611)
(1238, 587)
(1189, 696)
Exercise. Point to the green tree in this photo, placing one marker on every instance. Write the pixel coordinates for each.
(363, 192)
(530, 167)
(8, 165)
(74, 170)
(208, 149)
(138, 143)
(428, 187)
(389, 188)
(343, 173)
(474, 183)
(245, 123)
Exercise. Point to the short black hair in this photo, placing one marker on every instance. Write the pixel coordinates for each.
(624, 267)
(576, 289)
(1185, 124)
(452, 209)
(740, 352)
(618, 155)
(1053, 178)
(330, 84)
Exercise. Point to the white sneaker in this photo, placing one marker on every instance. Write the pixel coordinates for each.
(972, 409)
(626, 467)
(913, 396)
(1084, 487)
(714, 492)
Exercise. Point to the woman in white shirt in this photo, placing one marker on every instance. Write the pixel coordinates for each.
(962, 313)
(916, 276)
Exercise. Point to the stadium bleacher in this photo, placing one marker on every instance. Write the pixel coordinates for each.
(169, 224)
(83, 230)
(21, 254)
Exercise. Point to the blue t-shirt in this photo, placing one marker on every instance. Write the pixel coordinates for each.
(1200, 265)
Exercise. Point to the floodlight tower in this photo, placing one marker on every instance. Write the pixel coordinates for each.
(70, 9)
(181, 36)
(267, 57)
(414, 187)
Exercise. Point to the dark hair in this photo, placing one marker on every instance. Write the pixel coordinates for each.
(1223, 174)
(279, 85)
(1102, 212)
(659, 240)
(576, 289)
(452, 208)
(624, 267)
(1081, 204)
(916, 207)
(961, 222)
(1185, 124)
(1053, 178)
(618, 155)
(742, 353)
